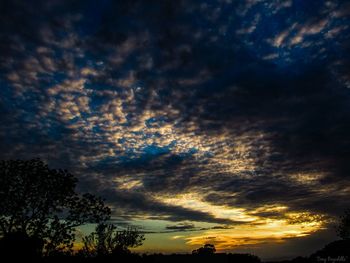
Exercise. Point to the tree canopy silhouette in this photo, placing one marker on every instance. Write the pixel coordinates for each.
(343, 229)
(207, 249)
(108, 240)
(41, 202)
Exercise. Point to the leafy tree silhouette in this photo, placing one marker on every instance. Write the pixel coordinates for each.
(338, 249)
(207, 249)
(107, 240)
(343, 229)
(39, 202)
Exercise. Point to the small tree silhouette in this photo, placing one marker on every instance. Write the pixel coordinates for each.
(343, 228)
(207, 249)
(41, 202)
(108, 240)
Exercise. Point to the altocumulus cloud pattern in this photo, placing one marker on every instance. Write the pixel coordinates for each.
(217, 118)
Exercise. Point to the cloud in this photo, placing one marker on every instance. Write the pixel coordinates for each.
(169, 114)
(251, 28)
(181, 226)
(308, 29)
(279, 40)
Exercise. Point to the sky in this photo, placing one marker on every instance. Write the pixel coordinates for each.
(222, 121)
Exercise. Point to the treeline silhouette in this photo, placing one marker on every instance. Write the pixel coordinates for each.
(40, 211)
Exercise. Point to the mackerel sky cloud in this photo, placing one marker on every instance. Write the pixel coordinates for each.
(198, 121)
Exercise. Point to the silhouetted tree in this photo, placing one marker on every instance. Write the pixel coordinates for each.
(42, 203)
(18, 245)
(207, 249)
(343, 229)
(108, 240)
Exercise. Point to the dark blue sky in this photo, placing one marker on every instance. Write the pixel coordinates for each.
(207, 115)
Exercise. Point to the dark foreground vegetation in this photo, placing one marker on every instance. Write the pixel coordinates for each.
(40, 210)
(337, 251)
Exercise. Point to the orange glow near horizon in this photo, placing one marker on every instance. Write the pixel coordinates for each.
(249, 228)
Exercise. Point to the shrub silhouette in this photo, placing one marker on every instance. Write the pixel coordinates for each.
(343, 229)
(39, 202)
(207, 249)
(107, 240)
(335, 249)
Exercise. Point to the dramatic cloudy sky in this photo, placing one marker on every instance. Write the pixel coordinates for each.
(221, 121)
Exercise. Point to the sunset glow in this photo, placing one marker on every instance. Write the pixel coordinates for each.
(223, 122)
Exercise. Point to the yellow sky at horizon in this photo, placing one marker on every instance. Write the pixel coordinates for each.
(250, 228)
